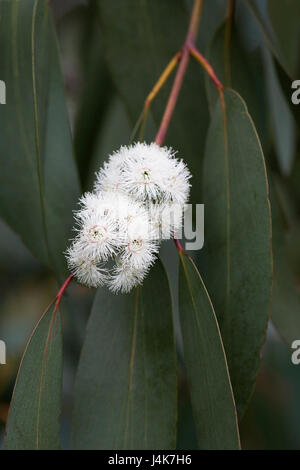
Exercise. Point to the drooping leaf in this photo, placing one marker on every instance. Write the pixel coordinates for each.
(280, 22)
(238, 269)
(97, 94)
(33, 422)
(114, 132)
(243, 71)
(288, 91)
(211, 392)
(125, 393)
(285, 20)
(38, 179)
(137, 50)
(285, 312)
(282, 119)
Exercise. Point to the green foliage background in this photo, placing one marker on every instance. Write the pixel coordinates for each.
(180, 362)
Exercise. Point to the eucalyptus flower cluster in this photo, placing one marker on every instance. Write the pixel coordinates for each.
(137, 201)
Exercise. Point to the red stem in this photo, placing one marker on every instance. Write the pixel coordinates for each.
(178, 245)
(62, 291)
(206, 65)
(184, 59)
(160, 137)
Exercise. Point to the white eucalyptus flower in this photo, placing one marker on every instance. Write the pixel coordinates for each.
(165, 220)
(139, 252)
(126, 211)
(175, 184)
(137, 202)
(85, 269)
(99, 236)
(89, 204)
(125, 277)
(144, 169)
(109, 178)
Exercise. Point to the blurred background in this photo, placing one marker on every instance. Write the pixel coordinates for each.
(100, 124)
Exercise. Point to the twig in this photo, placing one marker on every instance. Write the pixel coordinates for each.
(206, 65)
(184, 59)
(185, 54)
(158, 85)
(61, 292)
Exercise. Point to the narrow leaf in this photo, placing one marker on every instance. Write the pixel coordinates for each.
(282, 119)
(97, 93)
(238, 239)
(285, 20)
(286, 303)
(243, 71)
(279, 21)
(125, 393)
(212, 398)
(38, 180)
(33, 422)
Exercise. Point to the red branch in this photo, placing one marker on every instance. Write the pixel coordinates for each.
(206, 65)
(61, 292)
(184, 59)
(187, 49)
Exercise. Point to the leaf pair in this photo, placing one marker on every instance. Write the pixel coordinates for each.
(126, 390)
(130, 379)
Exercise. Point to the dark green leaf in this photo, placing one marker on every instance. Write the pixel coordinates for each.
(33, 421)
(285, 20)
(97, 94)
(282, 119)
(285, 303)
(125, 393)
(211, 392)
(114, 132)
(286, 87)
(38, 179)
(238, 239)
(280, 22)
(243, 71)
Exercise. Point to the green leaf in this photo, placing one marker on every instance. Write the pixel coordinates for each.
(137, 50)
(285, 19)
(285, 312)
(238, 265)
(125, 393)
(38, 179)
(33, 422)
(97, 94)
(243, 71)
(286, 87)
(279, 21)
(283, 122)
(115, 129)
(212, 398)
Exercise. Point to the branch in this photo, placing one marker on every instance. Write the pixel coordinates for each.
(61, 292)
(190, 38)
(206, 65)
